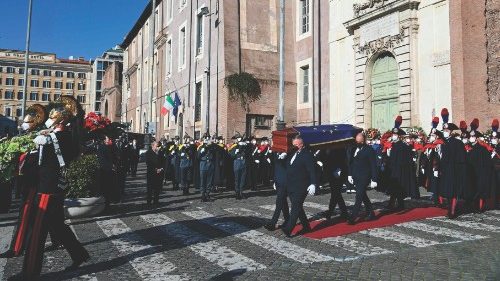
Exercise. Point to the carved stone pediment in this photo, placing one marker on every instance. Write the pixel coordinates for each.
(386, 43)
(367, 6)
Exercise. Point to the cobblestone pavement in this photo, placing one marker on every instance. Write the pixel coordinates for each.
(184, 239)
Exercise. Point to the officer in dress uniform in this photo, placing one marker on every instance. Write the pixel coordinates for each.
(206, 155)
(403, 178)
(56, 151)
(266, 161)
(362, 165)
(220, 163)
(281, 193)
(175, 160)
(254, 164)
(27, 184)
(452, 168)
(301, 181)
(480, 169)
(432, 151)
(238, 152)
(186, 155)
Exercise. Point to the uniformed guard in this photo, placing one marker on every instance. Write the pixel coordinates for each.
(495, 155)
(480, 169)
(253, 165)
(206, 154)
(56, 150)
(452, 171)
(186, 163)
(220, 164)
(238, 152)
(175, 161)
(266, 163)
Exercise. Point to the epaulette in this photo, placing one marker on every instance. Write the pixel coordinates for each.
(172, 147)
(232, 146)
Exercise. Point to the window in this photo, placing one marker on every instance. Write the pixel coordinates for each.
(304, 9)
(169, 10)
(97, 95)
(59, 74)
(9, 81)
(34, 96)
(57, 96)
(58, 85)
(182, 48)
(305, 83)
(81, 99)
(34, 83)
(199, 34)
(70, 74)
(98, 86)
(19, 112)
(263, 122)
(47, 84)
(197, 102)
(81, 86)
(81, 75)
(10, 69)
(9, 95)
(35, 71)
(21, 70)
(45, 97)
(20, 82)
(20, 95)
(169, 56)
(47, 73)
(70, 85)
(8, 111)
(100, 74)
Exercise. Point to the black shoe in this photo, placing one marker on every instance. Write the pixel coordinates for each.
(287, 232)
(328, 214)
(204, 198)
(344, 216)
(243, 196)
(304, 230)
(7, 255)
(238, 196)
(371, 217)
(270, 227)
(76, 264)
(351, 221)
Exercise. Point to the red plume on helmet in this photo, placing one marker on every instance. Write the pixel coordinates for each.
(435, 122)
(494, 125)
(398, 122)
(445, 115)
(474, 124)
(463, 126)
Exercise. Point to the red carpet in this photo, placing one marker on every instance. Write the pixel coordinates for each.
(338, 227)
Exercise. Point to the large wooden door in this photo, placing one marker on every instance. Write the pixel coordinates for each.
(384, 83)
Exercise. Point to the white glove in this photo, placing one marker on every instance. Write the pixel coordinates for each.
(282, 156)
(257, 161)
(423, 171)
(268, 160)
(274, 186)
(42, 140)
(414, 159)
(350, 180)
(311, 189)
(373, 184)
(436, 174)
(338, 172)
(237, 150)
(493, 154)
(202, 150)
(182, 154)
(389, 152)
(319, 163)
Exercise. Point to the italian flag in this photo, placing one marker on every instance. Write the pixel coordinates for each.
(168, 105)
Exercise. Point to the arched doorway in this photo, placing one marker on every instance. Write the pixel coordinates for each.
(384, 88)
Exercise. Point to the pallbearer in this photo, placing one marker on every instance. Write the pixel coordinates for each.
(280, 187)
(337, 175)
(480, 169)
(57, 150)
(452, 171)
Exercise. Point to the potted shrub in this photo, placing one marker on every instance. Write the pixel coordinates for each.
(82, 194)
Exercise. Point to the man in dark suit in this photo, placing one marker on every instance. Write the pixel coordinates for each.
(301, 180)
(362, 161)
(337, 176)
(280, 187)
(154, 176)
(133, 157)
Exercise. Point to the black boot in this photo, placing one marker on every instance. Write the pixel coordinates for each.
(78, 262)
(238, 196)
(243, 196)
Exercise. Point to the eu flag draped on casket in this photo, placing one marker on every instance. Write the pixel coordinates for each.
(318, 137)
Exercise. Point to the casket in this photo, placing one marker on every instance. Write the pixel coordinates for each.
(317, 137)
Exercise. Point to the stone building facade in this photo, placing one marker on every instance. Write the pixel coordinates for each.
(197, 45)
(49, 77)
(111, 98)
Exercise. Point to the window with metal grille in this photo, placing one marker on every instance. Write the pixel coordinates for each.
(305, 83)
(305, 15)
(197, 102)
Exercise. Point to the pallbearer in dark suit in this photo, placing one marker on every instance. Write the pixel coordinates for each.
(452, 169)
(301, 180)
(155, 168)
(57, 149)
(280, 187)
(337, 174)
(362, 173)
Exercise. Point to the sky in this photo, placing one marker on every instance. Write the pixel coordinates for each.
(79, 28)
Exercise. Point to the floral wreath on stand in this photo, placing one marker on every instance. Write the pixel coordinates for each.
(95, 121)
(372, 134)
